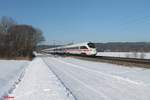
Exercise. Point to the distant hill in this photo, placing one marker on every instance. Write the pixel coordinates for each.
(123, 46)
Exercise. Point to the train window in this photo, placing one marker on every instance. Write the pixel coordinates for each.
(67, 48)
(83, 47)
(73, 48)
(91, 45)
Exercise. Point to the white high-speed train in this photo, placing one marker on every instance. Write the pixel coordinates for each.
(86, 48)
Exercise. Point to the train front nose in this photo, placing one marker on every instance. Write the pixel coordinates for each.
(93, 52)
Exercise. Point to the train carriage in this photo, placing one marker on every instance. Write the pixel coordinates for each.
(87, 48)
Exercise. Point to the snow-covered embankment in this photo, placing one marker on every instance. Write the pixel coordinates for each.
(39, 83)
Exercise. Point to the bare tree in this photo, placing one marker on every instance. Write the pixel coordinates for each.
(18, 40)
(142, 55)
(135, 54)
(6, 23)
(38, 37)
(5, 45)
(25, 38)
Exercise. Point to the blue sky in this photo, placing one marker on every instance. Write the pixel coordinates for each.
(83, 20)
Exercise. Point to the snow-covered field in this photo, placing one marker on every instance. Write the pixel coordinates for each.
(10, 72)
(89, 80)
(140, 55)
(66, 78)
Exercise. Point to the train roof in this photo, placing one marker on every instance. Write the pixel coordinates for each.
(78, 44)
(69, 46)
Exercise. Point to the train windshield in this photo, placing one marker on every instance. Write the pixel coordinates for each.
(91, 45)
(83, 47)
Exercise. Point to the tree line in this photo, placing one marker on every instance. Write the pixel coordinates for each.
(18, 39)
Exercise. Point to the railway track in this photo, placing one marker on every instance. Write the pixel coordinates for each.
(131, 60)
(113, 60)
(116, 60)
